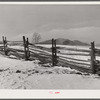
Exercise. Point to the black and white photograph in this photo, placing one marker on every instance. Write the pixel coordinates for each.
(49, 46)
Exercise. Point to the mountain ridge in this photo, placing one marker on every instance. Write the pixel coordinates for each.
(62, 41)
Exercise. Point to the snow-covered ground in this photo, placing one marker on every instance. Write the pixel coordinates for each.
(20, 74)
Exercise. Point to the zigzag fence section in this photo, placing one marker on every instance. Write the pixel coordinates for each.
(80, 59)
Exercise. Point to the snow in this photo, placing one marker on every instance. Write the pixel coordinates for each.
(68, 52)
(20, 74)
(16, 47)
(65, 46)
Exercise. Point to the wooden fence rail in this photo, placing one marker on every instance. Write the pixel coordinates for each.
(74, 66)
(73, 49)
(74, 59)
(54, 54)
(80, 54)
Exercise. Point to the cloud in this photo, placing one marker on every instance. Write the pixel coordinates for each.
(86, 34)
(20, 37)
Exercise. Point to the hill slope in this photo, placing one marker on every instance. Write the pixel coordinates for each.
(62, 41)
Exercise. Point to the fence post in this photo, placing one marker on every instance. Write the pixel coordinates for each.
(54, 53)
(26, 48)
(5, 45)
(28, 52)
(93, 58)
(24, 41)
(55, 56)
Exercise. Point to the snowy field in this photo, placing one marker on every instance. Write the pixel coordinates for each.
(20, 74)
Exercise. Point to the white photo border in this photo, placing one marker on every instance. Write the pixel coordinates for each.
(43, 94)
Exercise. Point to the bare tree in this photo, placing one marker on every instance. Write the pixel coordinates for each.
(36, 38)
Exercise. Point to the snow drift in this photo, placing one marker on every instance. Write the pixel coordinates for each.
(20, 74)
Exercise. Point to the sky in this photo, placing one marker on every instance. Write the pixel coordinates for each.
(75, 22)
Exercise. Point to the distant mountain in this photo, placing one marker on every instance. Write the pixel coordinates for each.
(62, 41)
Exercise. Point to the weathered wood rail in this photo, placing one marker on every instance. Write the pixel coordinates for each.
(74, 49)
(52, 55)
(81, 68)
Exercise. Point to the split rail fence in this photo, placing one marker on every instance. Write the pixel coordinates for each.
(25, 50)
